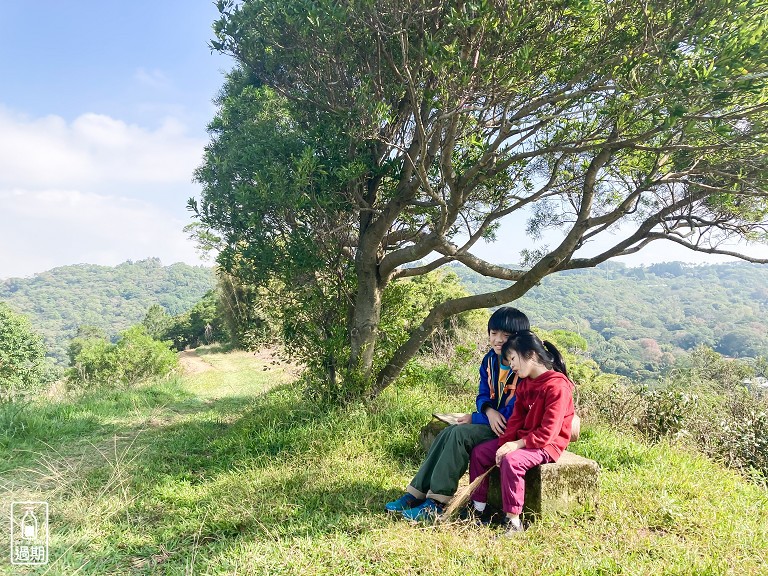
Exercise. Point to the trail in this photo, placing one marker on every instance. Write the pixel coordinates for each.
(191, 363)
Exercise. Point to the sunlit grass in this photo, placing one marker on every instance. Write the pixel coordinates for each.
(217, 473)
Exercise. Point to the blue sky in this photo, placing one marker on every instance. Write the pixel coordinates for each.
(103, 114)
(103, 109)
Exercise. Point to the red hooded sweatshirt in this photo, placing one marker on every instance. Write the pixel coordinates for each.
(543, 413)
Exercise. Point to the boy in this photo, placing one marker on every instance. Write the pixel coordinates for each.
(438, 477)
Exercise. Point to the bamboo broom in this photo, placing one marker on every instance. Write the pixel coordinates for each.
(463, 494)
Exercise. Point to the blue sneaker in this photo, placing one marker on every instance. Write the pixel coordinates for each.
(428, 511)
(405, 502)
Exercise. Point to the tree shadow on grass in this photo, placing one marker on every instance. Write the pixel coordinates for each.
(219, 469)
(221, 475)
(213, 527)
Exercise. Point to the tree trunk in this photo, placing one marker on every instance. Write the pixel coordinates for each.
(364, 329)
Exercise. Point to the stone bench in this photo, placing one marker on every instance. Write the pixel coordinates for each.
(565, 486)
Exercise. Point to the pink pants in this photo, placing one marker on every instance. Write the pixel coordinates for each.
(512, 470)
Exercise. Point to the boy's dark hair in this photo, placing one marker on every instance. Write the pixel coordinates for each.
(527, 344)
(508, 319)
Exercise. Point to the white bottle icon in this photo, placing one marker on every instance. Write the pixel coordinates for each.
(29, 525)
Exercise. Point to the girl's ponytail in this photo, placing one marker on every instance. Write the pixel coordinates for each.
(558, 363)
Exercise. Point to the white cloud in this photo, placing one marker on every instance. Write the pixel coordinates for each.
(93, 151)
(43, 229)
(94, 190)
(154, 78)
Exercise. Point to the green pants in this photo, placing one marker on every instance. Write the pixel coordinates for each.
(447, 461)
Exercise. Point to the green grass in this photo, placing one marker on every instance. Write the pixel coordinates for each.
(234, 471)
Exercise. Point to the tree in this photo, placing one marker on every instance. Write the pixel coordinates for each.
(357, 138)
(85, 335)
(135, 357)
(203, 324)
(245, 312)
(157, 321)
(22, 355)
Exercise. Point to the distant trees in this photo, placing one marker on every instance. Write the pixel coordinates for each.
(201, 324)
(355, 139)
(111, 298)
(618, 313)
(22, 356)
(157, 321)
(747, 341)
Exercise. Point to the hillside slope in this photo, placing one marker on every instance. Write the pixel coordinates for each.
(110, 298)
(637, 320)
(231, 471)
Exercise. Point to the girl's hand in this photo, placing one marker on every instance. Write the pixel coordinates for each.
(507, 448)
(496, 420)
(464, 419)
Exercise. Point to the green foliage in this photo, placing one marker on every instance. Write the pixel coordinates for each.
(408, 301)
(611, 399)
(302, 283)
(22, 356)
(84, 337)
(111, 299)
(312, 317)
(157, 321)
(202, 324)
(250, 314)
(704, 401)
(135, 357)
(354, 139)
(581, 368)
(667, 410)
(638, 321)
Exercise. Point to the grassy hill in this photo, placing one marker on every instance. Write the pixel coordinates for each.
(110, 298)
(231, 469)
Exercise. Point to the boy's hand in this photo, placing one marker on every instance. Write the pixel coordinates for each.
(497, 421)
(464, 419)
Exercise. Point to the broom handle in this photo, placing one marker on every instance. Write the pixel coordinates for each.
(463, 494)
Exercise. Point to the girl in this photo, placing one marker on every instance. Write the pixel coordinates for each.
(438, 477)
(538, 430)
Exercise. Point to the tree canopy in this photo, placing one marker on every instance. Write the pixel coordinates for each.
(22, 355)
(358, 139)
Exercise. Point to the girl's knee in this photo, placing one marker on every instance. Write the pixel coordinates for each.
(513, 465)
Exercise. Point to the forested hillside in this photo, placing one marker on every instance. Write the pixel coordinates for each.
(639, 319)
(112, 299)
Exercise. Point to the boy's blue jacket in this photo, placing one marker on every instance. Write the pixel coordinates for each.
(499, 395)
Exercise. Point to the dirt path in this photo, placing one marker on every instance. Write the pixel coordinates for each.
(191, 363)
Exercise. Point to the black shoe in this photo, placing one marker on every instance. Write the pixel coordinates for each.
(512, 529)
(471, 515)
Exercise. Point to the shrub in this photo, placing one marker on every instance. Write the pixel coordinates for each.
(704, 401)
(23, 367)
(667, 411)
(611, 399)
(135, 357)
